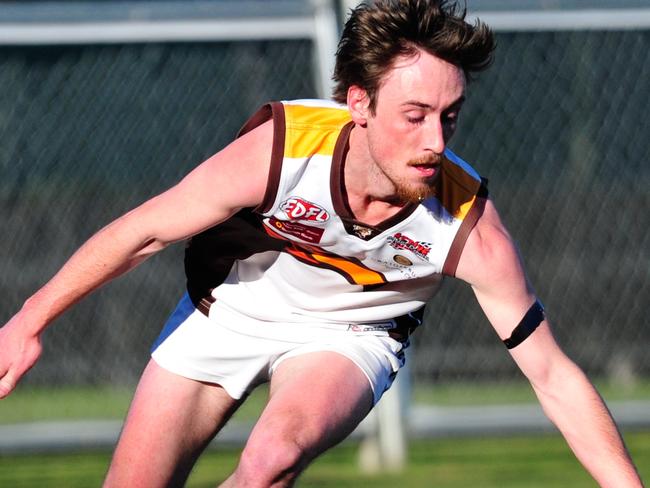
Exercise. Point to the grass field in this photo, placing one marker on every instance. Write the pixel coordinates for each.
(521, 461)
(38, 404)
(504, 462)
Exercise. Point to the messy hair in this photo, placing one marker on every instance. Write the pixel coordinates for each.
(379, 31)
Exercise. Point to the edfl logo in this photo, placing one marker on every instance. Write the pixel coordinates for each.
(298, 209)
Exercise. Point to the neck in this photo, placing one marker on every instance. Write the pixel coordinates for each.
(371, 195)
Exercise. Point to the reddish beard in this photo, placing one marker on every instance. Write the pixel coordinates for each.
(415, 193)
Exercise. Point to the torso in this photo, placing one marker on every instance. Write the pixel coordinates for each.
(310, 253)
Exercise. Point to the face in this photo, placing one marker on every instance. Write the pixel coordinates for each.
(418, 103)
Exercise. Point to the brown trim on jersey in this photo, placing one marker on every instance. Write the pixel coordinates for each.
(205, 303)
(210, 255)
(263, 114)
(273, 110)
(340, 195)
(337, 183)
(453, 257)
(455, 186)
(405, 211)
(309, 259)
(353, 269)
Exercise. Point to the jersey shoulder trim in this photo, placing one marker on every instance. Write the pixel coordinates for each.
(462, 192)
(301, 128)
(473, 214)
(312, 127)
(275, 111)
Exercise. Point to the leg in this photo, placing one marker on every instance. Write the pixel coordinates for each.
(170, 421)
(316, 400)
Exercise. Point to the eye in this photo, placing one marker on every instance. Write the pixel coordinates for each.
(415, 120)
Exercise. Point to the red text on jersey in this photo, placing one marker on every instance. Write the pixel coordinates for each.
(298, 209)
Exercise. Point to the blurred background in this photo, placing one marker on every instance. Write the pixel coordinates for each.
(104, 104)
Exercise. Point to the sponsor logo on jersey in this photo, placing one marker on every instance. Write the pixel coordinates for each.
(371, 327)
(309, 234)
(419, 248)
(361, 231)
(391, 266)
(403, 260)
(298, 209)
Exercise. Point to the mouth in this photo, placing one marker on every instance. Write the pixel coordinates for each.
(426, 166)
(425, 170)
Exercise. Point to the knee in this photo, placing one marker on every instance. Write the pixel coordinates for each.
(271, 462)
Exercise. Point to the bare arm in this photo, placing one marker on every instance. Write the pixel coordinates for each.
(232, 179)
(491, 265)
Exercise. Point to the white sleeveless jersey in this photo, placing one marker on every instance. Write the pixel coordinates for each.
(301, 256)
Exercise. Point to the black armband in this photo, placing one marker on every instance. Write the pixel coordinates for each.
(527, 326)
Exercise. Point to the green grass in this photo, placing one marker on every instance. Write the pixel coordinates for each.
(505, 462)
(69, 403)
(37, 404)
(458, 393)
(77, 403)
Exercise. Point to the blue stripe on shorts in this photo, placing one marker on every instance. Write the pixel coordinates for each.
(184, 309)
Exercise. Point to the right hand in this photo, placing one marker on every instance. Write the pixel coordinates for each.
(19, 351)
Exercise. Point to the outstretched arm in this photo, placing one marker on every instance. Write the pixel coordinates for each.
(230, 180)
(491, 265)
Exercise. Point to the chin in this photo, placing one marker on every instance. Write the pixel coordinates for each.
(415, 193)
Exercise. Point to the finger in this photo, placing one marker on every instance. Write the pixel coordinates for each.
(7, 384)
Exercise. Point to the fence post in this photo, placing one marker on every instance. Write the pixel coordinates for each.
(384, 447)
(326, 34)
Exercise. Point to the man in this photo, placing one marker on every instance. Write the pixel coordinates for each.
(316, 237)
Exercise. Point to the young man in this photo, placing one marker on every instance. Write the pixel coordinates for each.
(317, 235)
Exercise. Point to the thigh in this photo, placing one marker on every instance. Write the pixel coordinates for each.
(170, 421)
(316, 400)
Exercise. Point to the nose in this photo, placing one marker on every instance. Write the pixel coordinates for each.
(435, 137)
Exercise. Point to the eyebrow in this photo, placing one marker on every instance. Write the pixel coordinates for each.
(419, 104)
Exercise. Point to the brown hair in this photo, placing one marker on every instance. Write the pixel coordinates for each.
(378, 32)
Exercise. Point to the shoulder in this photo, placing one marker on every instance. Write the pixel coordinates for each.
(316, 111)
(300, 126)
(490, 257)
(458, 186)
(239, 172)
(315, 103)
(297, 113)
(312, 127)
(460, 164)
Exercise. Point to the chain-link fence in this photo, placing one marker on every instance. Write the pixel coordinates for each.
(89, 132)
(559, 125)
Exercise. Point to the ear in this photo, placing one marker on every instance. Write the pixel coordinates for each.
(358, 103)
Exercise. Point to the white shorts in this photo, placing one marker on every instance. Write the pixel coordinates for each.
(240, 353)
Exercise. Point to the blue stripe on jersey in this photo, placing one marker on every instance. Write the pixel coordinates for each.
(453, 157)
(184, 309)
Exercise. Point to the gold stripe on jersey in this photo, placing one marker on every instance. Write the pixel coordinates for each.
(355, 273)
(359, 274)
(302, 140)
(456, 189)
(464, 209)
